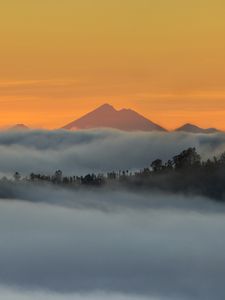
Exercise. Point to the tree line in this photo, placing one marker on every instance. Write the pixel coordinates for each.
(186, 173)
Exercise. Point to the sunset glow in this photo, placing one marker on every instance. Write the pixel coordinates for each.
(61, 59)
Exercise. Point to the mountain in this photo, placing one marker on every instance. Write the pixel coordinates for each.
(106, 116)
(195, 129)
(19, 127)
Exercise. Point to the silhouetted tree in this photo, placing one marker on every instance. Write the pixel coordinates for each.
(169, 165)
(58, 176)
(17, 176)
(157, 165)
(184, 173)
(186, 159)
(222, 158)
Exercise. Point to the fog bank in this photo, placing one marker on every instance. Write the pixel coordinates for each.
(106, 243)
(80, 152)
(155, 253)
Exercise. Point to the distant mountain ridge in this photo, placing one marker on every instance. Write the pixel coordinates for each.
(19, 127)
(106, 116)
(195, 129)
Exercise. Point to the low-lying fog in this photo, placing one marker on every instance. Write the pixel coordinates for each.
(80, 152)
(98, 244)
(158, 247)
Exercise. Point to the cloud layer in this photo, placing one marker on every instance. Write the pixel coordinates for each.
(95, 244)
(96, 151)
(15, 294)
(155, 253)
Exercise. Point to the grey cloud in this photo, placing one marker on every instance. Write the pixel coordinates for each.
(107, 199)
(163, 254)
(15, 294)
(95, 244)
(96, 151)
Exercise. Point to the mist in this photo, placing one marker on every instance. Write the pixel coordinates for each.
(106, 243)
(80, 152)
(125, 251)
(107, 199)
(11, 294)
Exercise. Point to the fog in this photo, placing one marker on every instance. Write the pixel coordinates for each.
(106, 243)
(61, 252)
(107, 199)
(80, 152)
(9, 294)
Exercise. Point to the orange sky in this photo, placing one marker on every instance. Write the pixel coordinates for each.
(60, 59)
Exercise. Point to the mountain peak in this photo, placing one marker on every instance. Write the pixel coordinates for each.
(191, 128)
(106, 116)
(19, 127)
(105, 108)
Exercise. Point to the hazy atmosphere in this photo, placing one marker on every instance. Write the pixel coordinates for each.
(60, 59)
(112, 150)
(80, 152)
(87, 244)
(141, 247)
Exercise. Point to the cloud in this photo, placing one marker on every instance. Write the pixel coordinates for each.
(14, 294)
(145, 254)
(106, 243)
(107, 199)
(96, 151)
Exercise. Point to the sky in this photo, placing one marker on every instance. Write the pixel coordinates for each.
(61, 59)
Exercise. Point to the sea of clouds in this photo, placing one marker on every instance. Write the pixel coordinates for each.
(80, 152)
(96, 244)
(51, 251)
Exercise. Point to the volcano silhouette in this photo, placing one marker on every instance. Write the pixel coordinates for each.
(106, 116)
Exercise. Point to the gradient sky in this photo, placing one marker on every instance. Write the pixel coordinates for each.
(62, 58)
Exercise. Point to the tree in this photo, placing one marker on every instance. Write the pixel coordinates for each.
(58, 176)
(169, 165)
(186, 159)
(156, 165)
(17, 176)
(222, 158)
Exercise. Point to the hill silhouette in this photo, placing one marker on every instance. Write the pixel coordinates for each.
(106, 116)
(19, 127)
(195, 129)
